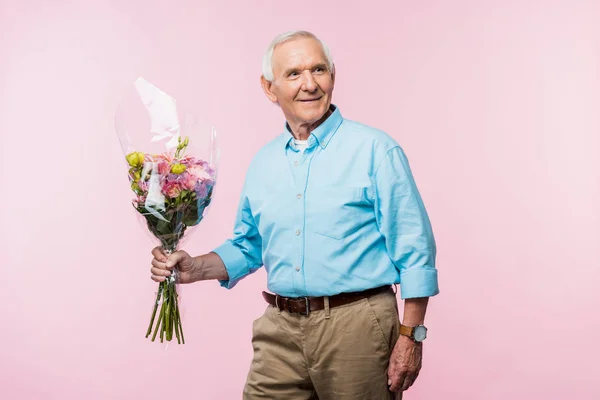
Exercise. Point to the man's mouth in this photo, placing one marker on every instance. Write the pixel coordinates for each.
(309, 100)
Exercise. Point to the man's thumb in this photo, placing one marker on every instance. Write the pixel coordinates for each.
(174, 259)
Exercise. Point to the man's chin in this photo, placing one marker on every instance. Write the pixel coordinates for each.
(313, 118)
(314, 110)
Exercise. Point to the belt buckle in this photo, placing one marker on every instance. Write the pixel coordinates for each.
(307, 302)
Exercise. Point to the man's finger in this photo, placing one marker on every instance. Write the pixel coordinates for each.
(159, 254)
(174, 259)
(160, 272)
(158, 264)
(397, 382)
(408, 381)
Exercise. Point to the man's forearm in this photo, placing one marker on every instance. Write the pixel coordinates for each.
(209, 266)
(414, 311)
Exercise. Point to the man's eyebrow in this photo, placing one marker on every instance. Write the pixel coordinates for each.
(296, 69)
(290, 70)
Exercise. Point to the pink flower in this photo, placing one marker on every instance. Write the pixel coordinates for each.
(199, 172)
(164, 167)
(139, 200)
(187, 160)
(165, 157)
(143, 185)
(172, 189)
(189, 181)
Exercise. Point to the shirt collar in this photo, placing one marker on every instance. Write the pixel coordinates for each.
(323, 133)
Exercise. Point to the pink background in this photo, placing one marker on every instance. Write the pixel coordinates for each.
(495, 102)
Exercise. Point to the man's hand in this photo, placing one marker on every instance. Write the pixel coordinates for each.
(405, 364)
(162, 266)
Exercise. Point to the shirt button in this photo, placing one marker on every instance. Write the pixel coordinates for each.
(297, 269)
(299, 195)
(298, 232)
(296, 163)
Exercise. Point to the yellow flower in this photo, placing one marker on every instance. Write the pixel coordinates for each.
(178, 168)
(131, 159)
(135, 159)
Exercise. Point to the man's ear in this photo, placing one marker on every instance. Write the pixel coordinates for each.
(333, 74)
(266, 86)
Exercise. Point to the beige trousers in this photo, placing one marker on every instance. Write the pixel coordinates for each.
(337, 353)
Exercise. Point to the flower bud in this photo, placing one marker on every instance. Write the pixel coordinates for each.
(186, 141)
(132, 159)
(135, 159)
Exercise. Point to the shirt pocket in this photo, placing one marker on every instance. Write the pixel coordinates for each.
(340, 211)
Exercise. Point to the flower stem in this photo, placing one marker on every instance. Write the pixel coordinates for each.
(168, 317)
(162, 329)
(159, 293)
(178, 327)
(158, 323)
(176, 320)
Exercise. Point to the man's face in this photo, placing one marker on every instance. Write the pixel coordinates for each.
(303, 83)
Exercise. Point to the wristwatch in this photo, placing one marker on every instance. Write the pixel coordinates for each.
(417, 333)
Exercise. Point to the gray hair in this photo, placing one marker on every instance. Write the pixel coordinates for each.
(284, 37)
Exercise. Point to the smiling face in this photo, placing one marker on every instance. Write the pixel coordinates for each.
(302, 84)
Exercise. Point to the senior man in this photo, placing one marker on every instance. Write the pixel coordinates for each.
(331, 210)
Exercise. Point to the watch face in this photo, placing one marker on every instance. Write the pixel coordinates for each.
(420, 333)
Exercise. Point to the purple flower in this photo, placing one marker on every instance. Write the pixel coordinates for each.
(201, 190)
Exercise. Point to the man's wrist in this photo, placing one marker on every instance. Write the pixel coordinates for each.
(197, 269)
(417, 333)
(209, 266)
(405, 339)
(412, 323)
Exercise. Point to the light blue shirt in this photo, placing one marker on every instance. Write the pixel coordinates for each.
(342, 215)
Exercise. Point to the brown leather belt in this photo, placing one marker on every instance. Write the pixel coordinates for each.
(304, 305)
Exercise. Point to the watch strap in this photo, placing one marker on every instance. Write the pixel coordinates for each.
(407, 331)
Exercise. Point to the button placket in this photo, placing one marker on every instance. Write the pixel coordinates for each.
(300, 170)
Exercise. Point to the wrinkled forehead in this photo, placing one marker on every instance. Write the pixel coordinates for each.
(298, 53)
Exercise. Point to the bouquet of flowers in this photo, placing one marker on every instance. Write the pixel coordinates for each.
(172, 189)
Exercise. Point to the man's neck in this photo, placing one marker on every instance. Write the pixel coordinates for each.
(302, 131)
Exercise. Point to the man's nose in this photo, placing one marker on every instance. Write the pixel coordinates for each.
(308, 83)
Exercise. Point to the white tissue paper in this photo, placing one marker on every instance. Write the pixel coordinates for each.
(162, 110)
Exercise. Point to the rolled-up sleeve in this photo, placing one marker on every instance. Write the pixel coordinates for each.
(404, 223)
(242, 254)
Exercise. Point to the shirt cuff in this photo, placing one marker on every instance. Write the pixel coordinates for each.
(235, 263)
(419, 282)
